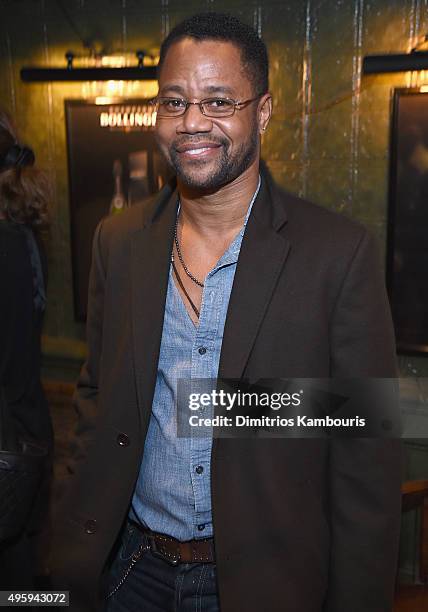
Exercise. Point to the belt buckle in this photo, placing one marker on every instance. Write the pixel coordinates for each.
(161, 554)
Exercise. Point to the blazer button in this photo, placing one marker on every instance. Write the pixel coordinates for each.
(123, 440)
(91, 526)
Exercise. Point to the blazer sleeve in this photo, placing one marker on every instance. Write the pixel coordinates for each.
(16, 311)
(10, 291)
(85, 398)
(365, 474)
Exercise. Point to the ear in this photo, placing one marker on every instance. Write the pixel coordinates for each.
(264, 111)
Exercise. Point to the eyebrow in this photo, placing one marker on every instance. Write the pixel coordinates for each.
(218, 89)
(209, 89)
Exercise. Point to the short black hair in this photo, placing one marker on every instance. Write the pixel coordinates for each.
(225, 28)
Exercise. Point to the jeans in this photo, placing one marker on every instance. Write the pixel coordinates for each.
(154, 585)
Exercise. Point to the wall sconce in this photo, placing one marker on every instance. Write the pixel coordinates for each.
(417, 59)
(406, 62)
(102, 73)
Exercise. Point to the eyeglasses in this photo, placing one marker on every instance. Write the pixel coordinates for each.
(210, 107)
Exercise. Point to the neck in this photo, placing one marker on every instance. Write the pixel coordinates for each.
(221, 210)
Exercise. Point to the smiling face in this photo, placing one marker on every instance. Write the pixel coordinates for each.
(207, 152)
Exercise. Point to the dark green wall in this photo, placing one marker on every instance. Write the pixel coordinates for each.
(328, 139)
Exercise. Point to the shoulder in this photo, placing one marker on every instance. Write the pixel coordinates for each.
(13, 242)
(319, 229)
(114, 234)
(11, 233)
(309, 221)
(126, 223)
(15, 264)
(317, 219)
(323, 243)
(123, 226)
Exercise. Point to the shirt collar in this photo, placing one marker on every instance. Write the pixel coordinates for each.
(250, 206)
(232, 253)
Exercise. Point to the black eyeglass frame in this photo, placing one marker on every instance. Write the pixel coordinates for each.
(236, 105)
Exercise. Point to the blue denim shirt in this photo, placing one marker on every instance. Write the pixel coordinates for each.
(173, 490)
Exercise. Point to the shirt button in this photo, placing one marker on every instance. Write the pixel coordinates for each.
(202, 350)
(201, 527)
(91, 526)
(122, 439)
(199, 469)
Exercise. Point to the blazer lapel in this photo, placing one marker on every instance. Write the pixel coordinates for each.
(263, 253)
(150, 260)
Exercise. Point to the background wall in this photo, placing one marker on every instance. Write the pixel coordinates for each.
(328, 140)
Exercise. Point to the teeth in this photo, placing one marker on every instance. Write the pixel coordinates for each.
(196, 151)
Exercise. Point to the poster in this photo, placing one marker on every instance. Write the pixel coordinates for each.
(407, 261)
(113, 163)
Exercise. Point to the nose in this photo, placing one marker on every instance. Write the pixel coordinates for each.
(194, 121)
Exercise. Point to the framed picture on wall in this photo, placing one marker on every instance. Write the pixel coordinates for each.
(407, 253)
(113, 163)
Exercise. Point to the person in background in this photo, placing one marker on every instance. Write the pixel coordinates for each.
(23, 277)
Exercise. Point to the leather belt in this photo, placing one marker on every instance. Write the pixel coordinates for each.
(174, 551)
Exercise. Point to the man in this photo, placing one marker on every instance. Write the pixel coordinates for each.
(224, 274)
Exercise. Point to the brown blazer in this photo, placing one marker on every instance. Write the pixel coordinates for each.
(300, 525)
